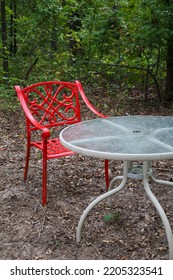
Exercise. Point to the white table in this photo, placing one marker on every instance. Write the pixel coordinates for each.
(129, 139)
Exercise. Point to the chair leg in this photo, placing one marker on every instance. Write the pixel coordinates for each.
(44, 186)
(107, 174)
(27, 161)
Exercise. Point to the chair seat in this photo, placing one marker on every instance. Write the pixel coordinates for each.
(54, 148)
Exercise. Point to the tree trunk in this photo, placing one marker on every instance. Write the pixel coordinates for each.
(169, 79)
(4, 39)
(53, 43)
(13, 43)
(169, 55)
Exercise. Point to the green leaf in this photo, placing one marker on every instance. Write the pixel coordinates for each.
(108, 217)
(111, 216)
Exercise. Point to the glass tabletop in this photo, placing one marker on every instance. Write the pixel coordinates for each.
(122, 138)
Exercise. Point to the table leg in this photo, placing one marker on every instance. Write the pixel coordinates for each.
(111, 185)
(100, 198)
(159, 209)
(162, 182)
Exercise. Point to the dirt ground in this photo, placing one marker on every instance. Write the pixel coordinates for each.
(29, 231)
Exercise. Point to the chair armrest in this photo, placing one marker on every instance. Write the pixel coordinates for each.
(45, 131)
(87, 102)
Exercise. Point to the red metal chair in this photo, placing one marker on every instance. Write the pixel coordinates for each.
(49, 105)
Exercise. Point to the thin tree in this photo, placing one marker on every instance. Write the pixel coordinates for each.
(169, 56)
(4, 40)
(13, 42)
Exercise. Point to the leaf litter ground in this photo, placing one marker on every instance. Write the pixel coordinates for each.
(131, 229)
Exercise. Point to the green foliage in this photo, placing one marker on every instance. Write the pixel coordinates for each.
(8, 100)
(112, 217)
(79, 39)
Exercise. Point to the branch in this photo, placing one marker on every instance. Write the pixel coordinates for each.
(137, 68)
(30, 69)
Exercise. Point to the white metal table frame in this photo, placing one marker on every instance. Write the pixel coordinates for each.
(84, 139)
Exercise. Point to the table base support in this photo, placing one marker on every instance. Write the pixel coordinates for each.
(159, 207)
(145, 176)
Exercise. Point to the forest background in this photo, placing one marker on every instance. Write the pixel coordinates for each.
(122, 51)
(115, 45)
